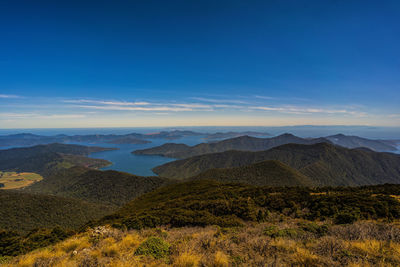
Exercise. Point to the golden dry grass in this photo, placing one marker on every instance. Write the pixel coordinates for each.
(361, 244)
(13, 180)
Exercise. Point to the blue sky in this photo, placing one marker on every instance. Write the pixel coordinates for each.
(184, 63)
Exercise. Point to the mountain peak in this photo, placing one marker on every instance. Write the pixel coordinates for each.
(286, 135)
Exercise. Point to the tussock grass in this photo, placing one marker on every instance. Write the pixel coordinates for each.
(367, 243)
(186, 259)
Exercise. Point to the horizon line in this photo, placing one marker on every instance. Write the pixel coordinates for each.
(204, 126)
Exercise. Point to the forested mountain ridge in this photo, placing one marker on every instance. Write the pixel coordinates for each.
(323, 163)
(107, 187)
(356, 141)
(264, 173)
(244, 143)
(249, 143)
(21, 211)
(207, 202)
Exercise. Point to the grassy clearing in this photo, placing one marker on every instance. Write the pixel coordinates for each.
(14, 180)
(289, 242)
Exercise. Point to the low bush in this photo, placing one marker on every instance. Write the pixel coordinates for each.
(274, 232)
(312, 227)
(155, 247)
(346, 218)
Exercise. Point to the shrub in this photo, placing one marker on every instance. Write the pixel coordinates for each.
(319, 230)
(346, 218)
(4, 259)
(274, 232)
(153, 246)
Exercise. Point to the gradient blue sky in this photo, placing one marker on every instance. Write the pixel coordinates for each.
(183, 63)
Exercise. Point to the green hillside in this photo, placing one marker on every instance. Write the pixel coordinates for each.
(323, 163)
(265, 173)
(109, 187)
(205, 202)
(44, 159)
(22, 212)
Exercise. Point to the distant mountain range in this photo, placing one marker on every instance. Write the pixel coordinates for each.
(245, 143)
(171, 135)
(28, 139)
(129, 140)
(219, 135)
(248, 143)
(356, 141)
(323, 163)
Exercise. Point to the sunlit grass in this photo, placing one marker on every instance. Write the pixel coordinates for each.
(214, 246)
(14, 180)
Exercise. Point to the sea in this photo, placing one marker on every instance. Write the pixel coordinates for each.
(123, 160)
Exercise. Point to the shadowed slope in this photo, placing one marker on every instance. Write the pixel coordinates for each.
(21, 211)
(265, 173)
(323, 163)
(207, 202)
(110, 187)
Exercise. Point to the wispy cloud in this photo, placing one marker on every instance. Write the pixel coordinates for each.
(121, 103)
(214, 100)
(40, 116)
(9, 96)
(137, 106)
(16, 115)
(394, 115)
(265, 97)
(213, 109)
(124, 108)
(193, 105)
(303, 110)
(209, 105)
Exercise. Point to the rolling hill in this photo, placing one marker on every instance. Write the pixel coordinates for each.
(245, 143)
(206, 202)
(22, 212)
(264, 173)
(108, 187)
(323, 163)
(44, 159)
